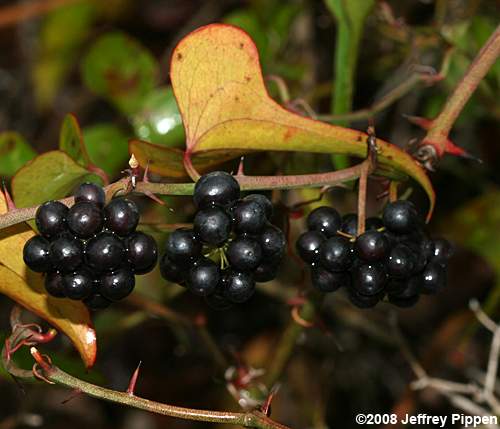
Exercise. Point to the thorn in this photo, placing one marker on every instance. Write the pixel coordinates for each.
(154, 198)
(74, 394)
(133, 163)
(8, 199)
(240, 171)
(145, 177)
(266, 406)
(453, 149)
(418, 120)
(133, 380)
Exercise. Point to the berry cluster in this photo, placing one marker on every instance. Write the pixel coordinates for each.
(232, 244)
(90, 252)
(393, 257)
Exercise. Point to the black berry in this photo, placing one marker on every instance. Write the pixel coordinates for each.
(266, 271)
(91, 193)
(373, 223)
(325, 220)
(401, 261)
(122, 216)
(36, 254)
(66, 253)
(442, 251)
(183, 246)
(244, 254)
(142, 252)
(350, 224)
(263, 201)
(248, 217)
(212, 225)
(216, 188)
(85, 219)
(371, 246)
(400, 217)
(203, 278)
(272, 241)
(326, 281)
(117, 284)
(104, 252)
(78, 285)
(239, 286)
(171, 271)
(308, 245)
(336, 254)
(363, 301)
(97, 302)
(50, 218)
(54, 284)
(433, 278)
(369, 279)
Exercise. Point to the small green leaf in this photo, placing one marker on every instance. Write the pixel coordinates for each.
(159, 120)
(71, 140)
(14, 153)
(107, 146)
(52, 175)
(121, 70)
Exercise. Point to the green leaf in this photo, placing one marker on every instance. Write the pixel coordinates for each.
(121, 70)
(71, 140)
(14, 153)
(159, 120)
(52, 175)
(107, 146)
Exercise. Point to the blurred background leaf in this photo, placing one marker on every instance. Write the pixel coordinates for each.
(14, 153)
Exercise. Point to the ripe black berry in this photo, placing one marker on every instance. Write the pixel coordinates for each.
(36, 254)
(78, 285)
(325, 220)
(336, 254)
(263, 201)
(203, 278)
(373, 223)
(244, 254)
(238, 286)
(349, 224)
(96, 302)
(171, 271)
(308, 245)
(54, 284)
(50, 218)
(369, 279)
(433, 278)
(91, 193)
(182, 246)
(117, 284)
(212, 225)
(85, 219)
(404, 293)
(216, 299)
(371, 246)
(248, 217)
(66, 253)
(272, 241)
(363, 301)
(401, 262)
(266, 271)
(105, 252)
(122, 216)
(442, 251)
(142, 252)
(400, 217)
(326, 281)
(216, 188)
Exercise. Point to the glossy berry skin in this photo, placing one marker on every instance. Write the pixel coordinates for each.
(36, 254)
(248, 217)
(238, 286)
(216, 188)
(85, 219)
(50, 219)
(171, 271)
(336, 254)
(369, 279)
(308, 245)
(371, 246)
(90, 193)
(117, 284)
(263, 201)
(363, 301)
(404, 289)
(442, 251)
(105, 252)
(122, 216)
(203, 278)
(266, 271)
(349, 224)
(142, 252)
(326, 281)
(325, 220)
(373, 223)
(400, 262)
(244, 254)
(272, 241)
(66, 253)
(433, 278)
(183, 246)
(216, 299)
(400, 217)
(96, 302)
(78, 285)
(212, 225)
(54, 284)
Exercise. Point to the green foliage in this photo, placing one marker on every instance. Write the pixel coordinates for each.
(71, 141)
(14, 153)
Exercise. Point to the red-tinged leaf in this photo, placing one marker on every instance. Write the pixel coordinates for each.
(217, 81)
(71, 140)
(26, 288)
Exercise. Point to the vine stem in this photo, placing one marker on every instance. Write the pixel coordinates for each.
(439, 128)
(247, 183)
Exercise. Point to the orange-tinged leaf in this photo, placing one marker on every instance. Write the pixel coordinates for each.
(217, 81)
(26, 288)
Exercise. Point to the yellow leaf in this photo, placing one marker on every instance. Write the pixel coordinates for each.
(219, 88)
(27, 289)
